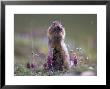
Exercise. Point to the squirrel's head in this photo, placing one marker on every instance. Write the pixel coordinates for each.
(56, 31)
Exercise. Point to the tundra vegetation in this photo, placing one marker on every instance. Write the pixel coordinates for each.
(31, 44)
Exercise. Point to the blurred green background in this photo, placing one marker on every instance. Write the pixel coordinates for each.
(30, 29)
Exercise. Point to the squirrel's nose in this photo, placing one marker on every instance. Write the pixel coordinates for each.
(57, 29)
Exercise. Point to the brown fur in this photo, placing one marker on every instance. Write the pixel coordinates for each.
(56, 36)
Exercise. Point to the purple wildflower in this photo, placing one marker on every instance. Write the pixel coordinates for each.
(28, 65)
(45, 66)
(48, 65)
(49, 61)
(75, 61)
(33, 65)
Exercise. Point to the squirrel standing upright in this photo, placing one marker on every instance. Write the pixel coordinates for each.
(57, 47)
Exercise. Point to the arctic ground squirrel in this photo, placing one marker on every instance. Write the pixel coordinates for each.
(57, 47)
